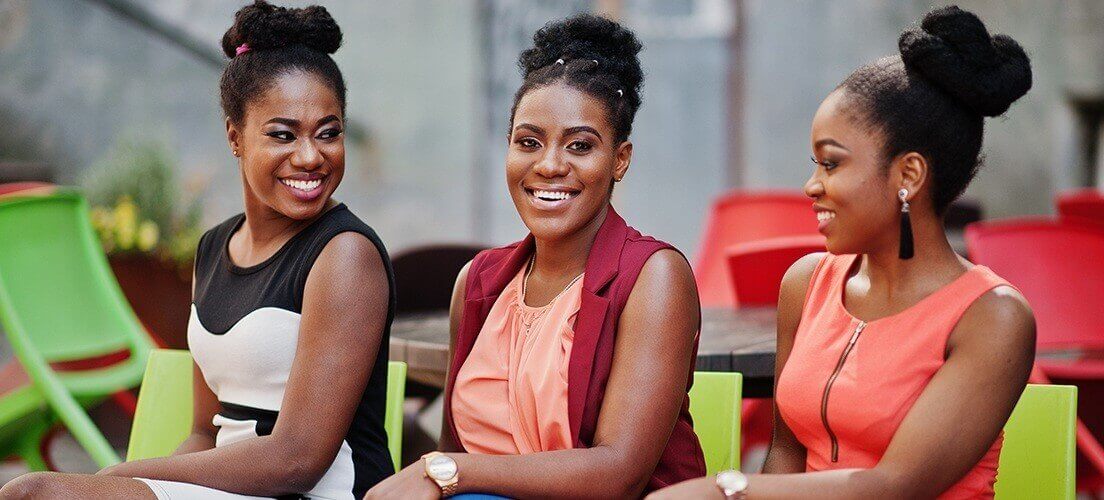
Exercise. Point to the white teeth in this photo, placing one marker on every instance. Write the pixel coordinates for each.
(302, 185)
(552, 195)
(823, 216)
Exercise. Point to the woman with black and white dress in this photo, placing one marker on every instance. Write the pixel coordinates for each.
(292, 301)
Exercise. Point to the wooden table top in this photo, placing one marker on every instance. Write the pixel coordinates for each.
(731, 340)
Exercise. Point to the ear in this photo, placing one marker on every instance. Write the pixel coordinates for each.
(912, 173)
(624, 157)
(232, 137)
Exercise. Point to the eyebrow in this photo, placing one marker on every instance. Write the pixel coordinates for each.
(830, 142)
(582, 128)
(527, 126)
(295, 123)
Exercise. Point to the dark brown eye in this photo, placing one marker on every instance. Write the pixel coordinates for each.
(581, 146)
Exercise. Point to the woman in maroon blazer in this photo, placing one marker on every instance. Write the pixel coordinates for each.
(595, 405)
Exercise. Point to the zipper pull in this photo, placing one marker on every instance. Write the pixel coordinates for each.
(858, 330)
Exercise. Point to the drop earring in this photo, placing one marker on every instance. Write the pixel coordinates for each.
(906, 249)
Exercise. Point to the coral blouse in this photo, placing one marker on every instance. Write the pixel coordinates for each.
(510, 395)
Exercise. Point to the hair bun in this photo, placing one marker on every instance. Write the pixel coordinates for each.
(953, 50)
(266, 26)
(587, 36)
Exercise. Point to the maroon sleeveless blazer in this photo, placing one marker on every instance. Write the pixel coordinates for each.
(613, 265)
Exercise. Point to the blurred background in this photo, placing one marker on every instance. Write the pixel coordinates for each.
(730, 90)
(120, 98)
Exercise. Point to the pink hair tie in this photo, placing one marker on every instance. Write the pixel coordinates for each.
(243, 48)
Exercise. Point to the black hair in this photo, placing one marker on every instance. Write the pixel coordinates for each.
(592, 54)
(281, 40)
(933, 98)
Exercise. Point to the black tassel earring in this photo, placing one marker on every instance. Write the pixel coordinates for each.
(906, 250)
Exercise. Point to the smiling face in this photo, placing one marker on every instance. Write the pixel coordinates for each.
(291, 144)
(854, 192)
(562, 160)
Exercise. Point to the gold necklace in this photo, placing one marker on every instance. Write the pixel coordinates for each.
(539, 311)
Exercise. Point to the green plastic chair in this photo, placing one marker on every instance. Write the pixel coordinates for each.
(715, 407)
(59, 301)
(163, 419)
(1037, 459)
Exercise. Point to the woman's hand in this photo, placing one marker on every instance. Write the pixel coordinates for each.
(410, 482)
(700, 488)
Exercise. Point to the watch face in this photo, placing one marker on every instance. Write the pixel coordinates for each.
(732, 482)
(441, 468)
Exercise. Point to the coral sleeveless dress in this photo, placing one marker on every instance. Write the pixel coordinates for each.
(848, 383)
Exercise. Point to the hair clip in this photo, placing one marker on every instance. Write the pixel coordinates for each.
(559, 61)
(620, 93)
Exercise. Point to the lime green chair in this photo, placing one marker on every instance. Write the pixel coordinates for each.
(1037, 459)
(715, 407)
(60, 302)
(163, 419)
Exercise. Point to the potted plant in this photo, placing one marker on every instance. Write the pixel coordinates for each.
(149, 228)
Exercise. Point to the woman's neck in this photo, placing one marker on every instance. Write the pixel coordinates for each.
(934, 261)
(265, 227)
(565, 258)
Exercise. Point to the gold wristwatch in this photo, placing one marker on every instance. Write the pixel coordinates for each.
(442, 470)
(733, 484)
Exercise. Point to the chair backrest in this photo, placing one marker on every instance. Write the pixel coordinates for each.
(756, 268)
(163, 419)
(715, 401)
(1081, 204)
(1057, 265)
(424, 276)
(1037, 458)
(743, 216)
(57, 293)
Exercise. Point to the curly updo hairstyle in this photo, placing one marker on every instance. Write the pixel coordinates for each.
(280, 40)
(592, 54)
(933, 98)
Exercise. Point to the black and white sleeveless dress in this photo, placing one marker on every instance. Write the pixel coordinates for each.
(243, 331)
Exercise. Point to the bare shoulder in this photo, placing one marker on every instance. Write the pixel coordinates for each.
(666, 266)
(795, 283)
(1001, 320)
(665, 292)
(351, 253)
(458, 288)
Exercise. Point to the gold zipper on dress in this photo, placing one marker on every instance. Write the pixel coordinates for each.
(828, 389)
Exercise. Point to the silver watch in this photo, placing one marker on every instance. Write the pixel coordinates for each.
(733, 484)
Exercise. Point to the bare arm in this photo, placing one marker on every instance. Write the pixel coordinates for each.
(456, 307)
(345, 304)
(652, 357)
(786, 453)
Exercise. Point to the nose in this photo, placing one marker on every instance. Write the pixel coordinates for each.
(551, 164)
(814, 187)
(307, 156)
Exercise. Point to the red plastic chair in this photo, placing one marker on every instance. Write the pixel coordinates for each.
(1059, 267)
(740, 217)
(26, 188)
(756, 268)
(1081, 204)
